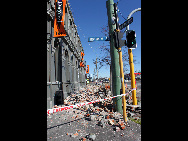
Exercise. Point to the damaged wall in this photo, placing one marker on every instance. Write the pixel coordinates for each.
(63, 56)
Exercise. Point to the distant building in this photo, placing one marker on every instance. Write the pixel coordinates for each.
(128, 77)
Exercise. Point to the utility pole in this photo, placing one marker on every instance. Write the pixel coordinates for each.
(116, 82)
(118, 45)
(94, 75)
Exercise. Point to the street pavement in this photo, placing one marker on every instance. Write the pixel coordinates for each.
(138, 83)
(72, 125)
(62, 127)
(138, 91)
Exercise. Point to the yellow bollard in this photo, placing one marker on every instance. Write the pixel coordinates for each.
(132, 76)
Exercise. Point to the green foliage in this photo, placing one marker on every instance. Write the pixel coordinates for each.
(134, 120)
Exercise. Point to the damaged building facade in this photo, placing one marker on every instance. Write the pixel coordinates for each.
(64, 73)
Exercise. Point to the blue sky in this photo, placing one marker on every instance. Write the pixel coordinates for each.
(91, 15)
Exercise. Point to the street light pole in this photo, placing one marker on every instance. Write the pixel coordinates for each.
(131, 63)
(129, 16)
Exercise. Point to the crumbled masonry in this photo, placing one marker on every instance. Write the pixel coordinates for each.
(98, 117)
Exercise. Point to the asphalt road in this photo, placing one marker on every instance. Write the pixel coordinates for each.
(138, 83)
(61, 123)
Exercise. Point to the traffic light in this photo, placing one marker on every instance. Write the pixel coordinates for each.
(131, 39)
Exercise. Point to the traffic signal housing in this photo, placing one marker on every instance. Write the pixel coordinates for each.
(118, 39)
(131, 39)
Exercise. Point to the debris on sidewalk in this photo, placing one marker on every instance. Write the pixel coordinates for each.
(101, 114)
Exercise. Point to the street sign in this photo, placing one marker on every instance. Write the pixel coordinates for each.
(126, 23)
(91, 39)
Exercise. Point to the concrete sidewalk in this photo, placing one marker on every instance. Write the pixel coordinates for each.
(62, 126)
(95, 121)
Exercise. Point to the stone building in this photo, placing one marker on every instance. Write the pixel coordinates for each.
(64, 73)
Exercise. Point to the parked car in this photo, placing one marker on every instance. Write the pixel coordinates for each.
(106, 81)
(138, 78)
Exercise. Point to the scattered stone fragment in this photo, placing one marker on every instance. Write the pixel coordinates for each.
(117, 129)
(101, 123)
(101, 112)
(110, 122)
(122, 127)
(92, 136)
(107, 116)
(92, 117)
(76, 134)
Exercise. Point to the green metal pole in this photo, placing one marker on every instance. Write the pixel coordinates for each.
(116, 82)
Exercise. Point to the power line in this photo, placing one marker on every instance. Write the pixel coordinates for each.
(121, 14)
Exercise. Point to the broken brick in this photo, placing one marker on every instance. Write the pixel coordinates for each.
(121, 123)
(105, 104)
(111, 116)
(107, 117)
(122, 127)
(110, 122)
(117, 129)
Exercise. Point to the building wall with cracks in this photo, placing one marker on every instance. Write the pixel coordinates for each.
(63, 57)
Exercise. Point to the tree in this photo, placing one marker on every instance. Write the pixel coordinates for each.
(105, 60)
